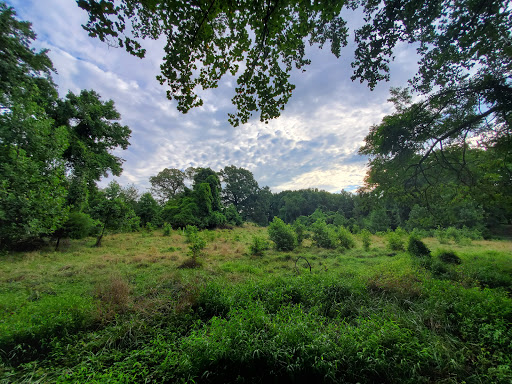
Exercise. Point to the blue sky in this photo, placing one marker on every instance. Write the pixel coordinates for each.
(312, 145)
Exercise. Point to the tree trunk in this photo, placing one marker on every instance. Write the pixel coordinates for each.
(98, 240)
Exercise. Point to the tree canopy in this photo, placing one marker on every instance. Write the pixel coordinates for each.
(259, 41)
(52, 151)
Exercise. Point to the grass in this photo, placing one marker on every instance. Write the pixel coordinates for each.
(127, 312)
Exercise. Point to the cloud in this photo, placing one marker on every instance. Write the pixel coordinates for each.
(312, 145)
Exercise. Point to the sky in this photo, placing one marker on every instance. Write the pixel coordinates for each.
(313, 144)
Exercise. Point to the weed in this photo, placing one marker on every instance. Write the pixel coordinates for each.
(258, 246)
(366, 239)
(395, 242)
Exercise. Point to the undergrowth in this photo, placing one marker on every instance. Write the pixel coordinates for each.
(358, 316)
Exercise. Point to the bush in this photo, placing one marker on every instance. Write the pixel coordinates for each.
(196, 245)
(345, 238)
(323, 236)
(167, 229)
(449, 257)
(258, 246)
(216, 220)
(366, 239)
(395, 242)
(77, 226)
(232, 216)
(300, 231)
(417, 248)
(282, 235)
(191, 231)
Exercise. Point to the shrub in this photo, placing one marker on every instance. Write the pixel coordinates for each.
(191, 231)
(258, 246)
(417, 248)
(395, 242)
(366, 239)
(323, 236)
(232, 216)
(300, 231)
(216, 220)
(196, 245)
(449, 257)
(282, 235)
(77, 226)
(345, 238)
(441, 235)
(167, 229)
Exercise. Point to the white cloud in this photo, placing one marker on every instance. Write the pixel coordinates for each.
(313, 143)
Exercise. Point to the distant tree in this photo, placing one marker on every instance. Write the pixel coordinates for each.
(378, 220)
(167, 184)
(113, 211)
(240, 189)
(148, 210)
(262, 206)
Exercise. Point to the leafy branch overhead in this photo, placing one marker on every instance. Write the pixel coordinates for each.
(261, 41)
(258, 40)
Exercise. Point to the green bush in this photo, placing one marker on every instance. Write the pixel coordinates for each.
(395, 242)
(366, 239)
(449, 257)
(258, 246)
(232, 216)
(417, 248)
(191, 231)
(167, 229)
(300, 231)
(345, 238)
(77, 226)
(216, 220)
(282, 235)
(196, 245)
(323, 235)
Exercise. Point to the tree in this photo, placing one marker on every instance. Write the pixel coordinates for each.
(167, 184)
(94, 134)
(148, 210)
(113, 211)
(453, 37)
(44, 139)
(32, 191)
(209, 176)
(464, 84)
(262, 206)
(239, 190)
(209, 39)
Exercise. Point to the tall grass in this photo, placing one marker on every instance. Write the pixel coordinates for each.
(126, 313)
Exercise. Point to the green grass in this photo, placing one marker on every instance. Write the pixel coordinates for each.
(126, 313)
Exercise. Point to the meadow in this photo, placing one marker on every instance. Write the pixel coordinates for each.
(134, 311)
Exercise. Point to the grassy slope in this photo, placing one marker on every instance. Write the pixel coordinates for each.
(127, 313)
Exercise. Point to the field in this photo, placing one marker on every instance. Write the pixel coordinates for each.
(132, 311)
